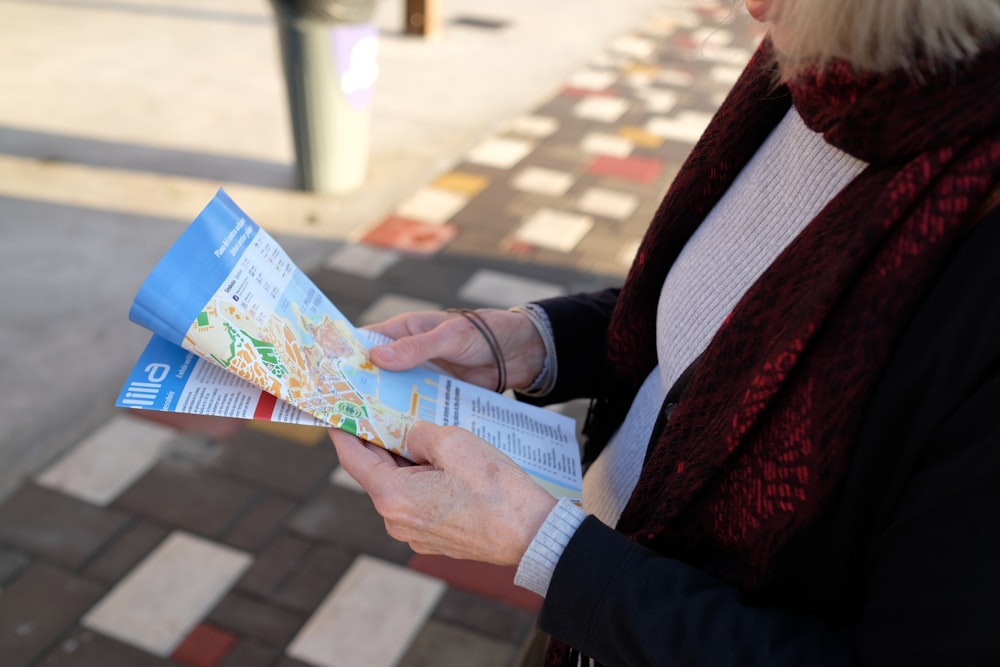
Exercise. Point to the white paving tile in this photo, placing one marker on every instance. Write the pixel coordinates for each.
(726, 74)
(687, 126)
(361, 259)
(369, 618)
(682, 18)
(601, 108)
(340, 478)
(608, 203)
(602, 143)
(628, 252)
(554, 229)
(658, 27)
(712, 36)
(726, 55)
(661, 30)
(640, 80)
(636, 47)
(390, 305)
(503, 290)
(500, 152)
(604, 60)
(158, 603)
(592, 79)
(660, 101)
(99, 468)
(532, 126)
(675, 77)
(543, 181)
(432, 205)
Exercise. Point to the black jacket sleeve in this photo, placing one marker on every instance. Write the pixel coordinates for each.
(903, 570)
(623, 604)
(580, 326)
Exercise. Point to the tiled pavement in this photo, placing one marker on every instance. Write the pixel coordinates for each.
(207, 542)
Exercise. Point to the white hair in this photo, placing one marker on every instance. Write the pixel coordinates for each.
(882, 35)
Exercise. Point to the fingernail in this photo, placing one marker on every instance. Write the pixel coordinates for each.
(386, 353)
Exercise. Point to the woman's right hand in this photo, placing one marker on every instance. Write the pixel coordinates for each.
(454, 343)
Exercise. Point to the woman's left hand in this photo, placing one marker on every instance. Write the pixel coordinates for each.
(464, 499)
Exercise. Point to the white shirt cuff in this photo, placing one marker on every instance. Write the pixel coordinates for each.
(546, 378)
(535, 570)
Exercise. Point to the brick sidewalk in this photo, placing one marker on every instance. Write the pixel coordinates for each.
(208, 542)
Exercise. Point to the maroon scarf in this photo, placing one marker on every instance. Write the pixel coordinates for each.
(759, 443)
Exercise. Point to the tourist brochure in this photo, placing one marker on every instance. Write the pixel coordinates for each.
(240, 331)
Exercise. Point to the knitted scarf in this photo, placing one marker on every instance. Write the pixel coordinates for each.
(759, 443)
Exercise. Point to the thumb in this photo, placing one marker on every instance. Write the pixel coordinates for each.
(410, 351)
(422, 439)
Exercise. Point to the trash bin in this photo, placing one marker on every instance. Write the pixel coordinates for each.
(329, 51)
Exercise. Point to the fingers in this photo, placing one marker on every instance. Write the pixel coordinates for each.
(409, 324)
(425, 440)
(443, 341)
(470, 502)
(457, 346)
(359, 459)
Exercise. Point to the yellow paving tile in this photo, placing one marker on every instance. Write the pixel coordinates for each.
(639, 136)
(460, 181)
(639, 68)
(297, 433)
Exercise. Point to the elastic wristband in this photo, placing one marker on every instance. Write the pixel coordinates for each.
(545, 381)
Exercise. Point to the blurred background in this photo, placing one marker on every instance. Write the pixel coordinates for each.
(407, 155)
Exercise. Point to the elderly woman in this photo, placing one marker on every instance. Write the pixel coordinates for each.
(794, 451)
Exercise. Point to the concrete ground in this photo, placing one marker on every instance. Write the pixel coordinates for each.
(120, 118)
(518, 155)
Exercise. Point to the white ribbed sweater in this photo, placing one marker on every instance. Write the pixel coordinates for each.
(787, 182)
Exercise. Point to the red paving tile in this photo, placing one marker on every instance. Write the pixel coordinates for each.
(206, 646)
(520, 248)
(639, 169)
(492, 581)
(410, 235)
(684, 42)
(571, 91)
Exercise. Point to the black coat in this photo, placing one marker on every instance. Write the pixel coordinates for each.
(902, 569)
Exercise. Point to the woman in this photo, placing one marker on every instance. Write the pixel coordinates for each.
(793, 432)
